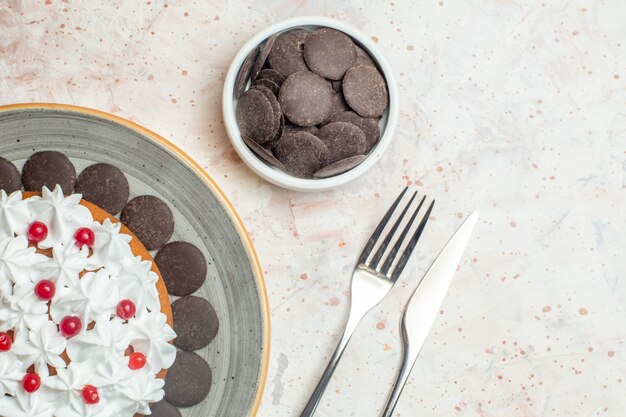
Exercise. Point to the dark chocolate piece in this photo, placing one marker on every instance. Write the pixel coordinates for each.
(260, 61)
(272, 75)
(182, 266)
(363, 58)
(286, 56)
(306, 98)
(365, 91)
(245, 71)
(340, 166)
(263, 153)
(188, 381)
(195, 322)
(150, 219)
(104, 185)
(343, 140)
(302, 154)
(164, 409)
(255, 116)
(329, 53)
(270, 85)
(369, 126)
(276, 110)
(9, 176)
(48, 168)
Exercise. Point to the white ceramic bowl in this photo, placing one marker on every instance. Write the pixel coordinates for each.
(275, 175)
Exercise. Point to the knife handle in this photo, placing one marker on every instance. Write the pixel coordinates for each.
(408, 360)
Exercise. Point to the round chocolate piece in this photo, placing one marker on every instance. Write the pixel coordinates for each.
(302, 154)
(289, 128)
(306, 98)
(260, 61)
(263, 153)
(365, 91)
(48, 168)
(363, 58)
(164, 409)
(255, 116)
(182, 266)
(343, 140)
(329, 53)
(105, 186)
(9, 176)
(339, 106)
(195, 322)
(150, 219)
(286, 56)
(278, 114)
(272, 75)
(245, 71)
(188, 381)
(340, 166)
(369, 126)
(270, 85)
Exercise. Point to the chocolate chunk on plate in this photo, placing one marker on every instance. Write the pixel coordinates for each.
(286, 56)
(164, 409)
(182, 266)
(369, 126)
(48, 168)
(302, 154)
(188, 381)
(195, 322)
(340, 166)
(245, 71)
(263, 54)
(255, 116)
(150, 219)
(104, 185)
(9, 176)
(306, 98)
(343, 140)
(365, 91)
(272, 75)
(329, 53)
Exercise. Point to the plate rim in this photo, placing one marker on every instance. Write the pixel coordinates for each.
(217, 191)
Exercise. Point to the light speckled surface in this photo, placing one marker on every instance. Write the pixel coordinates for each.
(512, 108)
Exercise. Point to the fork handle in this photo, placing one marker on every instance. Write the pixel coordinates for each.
(310, 407)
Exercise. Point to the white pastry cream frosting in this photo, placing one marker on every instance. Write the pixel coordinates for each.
(89, 285)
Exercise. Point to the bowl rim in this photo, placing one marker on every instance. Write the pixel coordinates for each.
(228, 207)
(274, 175)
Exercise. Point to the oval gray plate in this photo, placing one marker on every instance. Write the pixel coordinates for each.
(238, 356)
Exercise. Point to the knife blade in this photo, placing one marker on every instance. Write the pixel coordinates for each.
(423, 306)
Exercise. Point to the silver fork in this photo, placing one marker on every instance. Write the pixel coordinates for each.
(373, 277)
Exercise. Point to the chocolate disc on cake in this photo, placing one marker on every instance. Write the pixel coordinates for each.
(164, 409)
(188, 381)
(9, 176)
(105, 186)
(365, 91)
(329, 53)
(150, 219)
(306, 98)
(195, 322)
(182, 266)
(48, 168)
(343, 140)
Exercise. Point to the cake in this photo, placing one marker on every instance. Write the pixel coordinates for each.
(85, 318)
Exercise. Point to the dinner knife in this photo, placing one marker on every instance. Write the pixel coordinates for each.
(423, 306)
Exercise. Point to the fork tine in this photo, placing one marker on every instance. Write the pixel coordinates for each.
(409, 249)
(396, 247)
(383, 246)
(379, 229)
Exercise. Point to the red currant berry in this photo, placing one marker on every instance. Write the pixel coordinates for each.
(31, 382)
(70, 326)
(37, 231)
(84, 236)
(126, 309)
(136, 360)
(5, 342)
(90, 394)
(45, 289)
